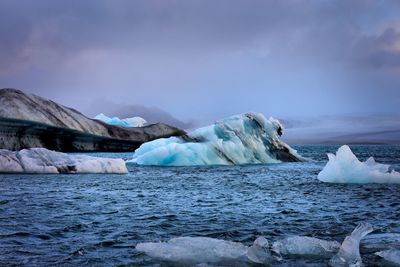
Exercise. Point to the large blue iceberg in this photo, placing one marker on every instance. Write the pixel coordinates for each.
(128, 122)
(248, 138)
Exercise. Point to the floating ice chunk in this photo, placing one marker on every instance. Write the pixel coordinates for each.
(200, 250)
(9, 162)
(128, 122)
(242, 139)
(349, 252)
(41, 160)
(194, 250)
(135, 121)
(391, 256)
(305, 246)
(346, 168)
(260, 252)
(376, 242)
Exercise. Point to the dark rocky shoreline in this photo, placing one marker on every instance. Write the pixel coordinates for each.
(19, 134)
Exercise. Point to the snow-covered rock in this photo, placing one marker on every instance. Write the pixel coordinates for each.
(41, 160)
(248, 138)
(344, 167)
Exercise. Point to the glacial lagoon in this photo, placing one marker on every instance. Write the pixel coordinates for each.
(98, 219)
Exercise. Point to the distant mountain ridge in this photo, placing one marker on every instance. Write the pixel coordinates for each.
(150, 114)
(378, 129)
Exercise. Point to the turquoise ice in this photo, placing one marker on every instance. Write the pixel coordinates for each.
(248, 138)
(128, 122)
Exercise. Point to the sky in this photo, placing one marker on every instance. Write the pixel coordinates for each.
(202, 59)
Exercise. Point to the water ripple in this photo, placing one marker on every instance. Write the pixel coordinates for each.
(87, 220)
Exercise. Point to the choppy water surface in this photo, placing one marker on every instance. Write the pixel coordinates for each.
(99, 219)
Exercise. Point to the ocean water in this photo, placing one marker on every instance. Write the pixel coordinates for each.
(97, 220)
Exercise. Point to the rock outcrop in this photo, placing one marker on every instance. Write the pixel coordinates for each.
(28, 120)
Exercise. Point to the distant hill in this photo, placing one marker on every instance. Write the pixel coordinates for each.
(150, 114)
(28, 120)
(384, 129)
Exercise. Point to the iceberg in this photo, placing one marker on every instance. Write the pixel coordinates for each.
(128, 122)
(260, 252)
(305, 246)
(349, 252)
(41, 160)
(200, 250)
(344, 167)
(391, 256)
(248, 138)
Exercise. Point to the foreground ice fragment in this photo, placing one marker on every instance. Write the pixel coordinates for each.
(260, 253)
(41, 160)
(391, 256)
(349, 252)
(242, 139)
(305, 246)
(193, 250)
(205, 250)
(128, 122)
(382, 241)
(344, 167)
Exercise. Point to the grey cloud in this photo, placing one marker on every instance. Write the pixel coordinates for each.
(380, 51)
(166, 53)
(178, 26)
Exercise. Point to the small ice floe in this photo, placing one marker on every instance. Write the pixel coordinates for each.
(349, 252)
(304, 246)
(344, 167)
(41, 160)
(259, 252)
(376, 242)
(205, 250)
(391, 256)
(128, 122)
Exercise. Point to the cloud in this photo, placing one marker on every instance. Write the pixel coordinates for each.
(182, 27)
(381, 50)
(167, 53)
